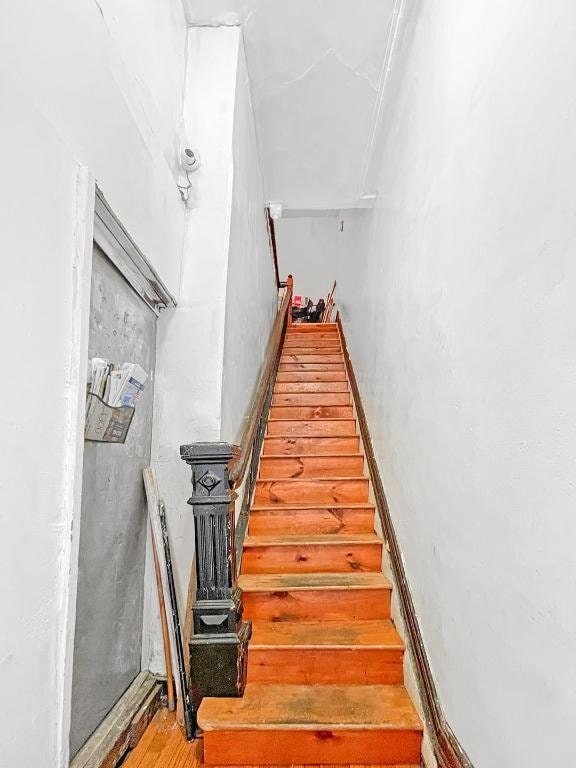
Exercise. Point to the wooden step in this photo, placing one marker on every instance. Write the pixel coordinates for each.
(304, 387)
(336, 490)
(290, 357)
(308, 446)
(325, 652)
(311, 518)
(338, 465)
(310, 376)
(311, 412)
(311, 398)
(311, 342)
(315, 596)
(315, 428)
(312, 346)
(313, 328)
(310, 367)
(312, 338)
(324, 553)
(299, 724)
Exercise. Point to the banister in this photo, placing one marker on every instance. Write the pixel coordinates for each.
(273, 246)
(219, 644)
(238, 466)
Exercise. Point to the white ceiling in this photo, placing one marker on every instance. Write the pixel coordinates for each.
(316, 68)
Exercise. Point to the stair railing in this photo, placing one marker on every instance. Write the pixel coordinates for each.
(219, 643)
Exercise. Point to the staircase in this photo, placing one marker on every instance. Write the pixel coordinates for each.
(325, 662)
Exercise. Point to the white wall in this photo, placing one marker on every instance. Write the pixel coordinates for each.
(70, 95)
(460, 316)
(311, 248)
(251, 292)
(316, 70)
(226, 264)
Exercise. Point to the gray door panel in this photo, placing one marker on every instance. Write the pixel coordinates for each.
(108, 636)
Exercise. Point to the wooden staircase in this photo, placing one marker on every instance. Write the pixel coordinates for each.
(325, 667)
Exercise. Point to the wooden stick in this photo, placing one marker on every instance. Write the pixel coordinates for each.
(184, 692)
(160, 537)
(328, 301)
(165, 635)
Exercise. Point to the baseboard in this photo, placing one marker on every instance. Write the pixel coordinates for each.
(448, 751)
(122, 728)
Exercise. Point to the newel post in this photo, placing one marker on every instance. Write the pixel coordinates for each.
(219, 645)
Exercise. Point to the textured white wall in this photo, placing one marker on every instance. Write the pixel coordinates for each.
(251, 292)
(311, 248)
(187, 402)
(460, 317)
(210, 346)
(72, 93)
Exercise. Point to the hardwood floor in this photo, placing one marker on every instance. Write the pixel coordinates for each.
(163, 746)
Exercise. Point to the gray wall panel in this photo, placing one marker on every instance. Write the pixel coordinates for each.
(109, 603)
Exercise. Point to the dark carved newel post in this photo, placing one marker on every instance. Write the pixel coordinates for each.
(218, 648)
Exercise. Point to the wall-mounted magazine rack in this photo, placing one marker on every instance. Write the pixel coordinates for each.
(105, 423)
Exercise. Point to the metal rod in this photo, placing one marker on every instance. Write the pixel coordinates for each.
(187, 710)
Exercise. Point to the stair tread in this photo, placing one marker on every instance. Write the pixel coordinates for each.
(307, 456)
(316, 421)
(314, 505)
(326, 634)
(312, 707)
(308, 480)
(327, 539)
(283, 582)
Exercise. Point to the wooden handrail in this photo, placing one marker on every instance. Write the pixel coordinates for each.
(273, 246)
(239, 464)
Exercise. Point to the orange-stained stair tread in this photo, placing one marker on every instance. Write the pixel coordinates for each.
(327, 723)
(163, 745)
(335, 465)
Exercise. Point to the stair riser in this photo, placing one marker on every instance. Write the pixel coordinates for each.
(289, 357)
(286, 427)
(300, 376)
(269, 522)
(311, 367)
(312, 466)
(296, 746)
(331, 337)
(325, 666)
(311, 399)
(317, 605)
(313, 329)
(311, 387)
(313, 490)
(329, 558)
(308, 446)
(310, 412)
(312, 338)
(322, 348)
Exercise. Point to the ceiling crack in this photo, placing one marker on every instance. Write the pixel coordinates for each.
(329, 52)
